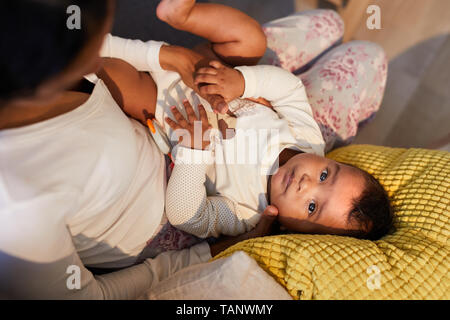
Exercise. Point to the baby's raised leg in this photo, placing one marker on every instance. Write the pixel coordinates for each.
(235, 37)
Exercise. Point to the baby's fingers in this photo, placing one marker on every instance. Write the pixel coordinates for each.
(218, 103)
(210, 89)
(206, 78)
(207, 70)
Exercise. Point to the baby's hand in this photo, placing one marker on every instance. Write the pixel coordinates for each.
(220, 80)
(190, 132)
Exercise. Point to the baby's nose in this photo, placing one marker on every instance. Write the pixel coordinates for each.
(303, 182)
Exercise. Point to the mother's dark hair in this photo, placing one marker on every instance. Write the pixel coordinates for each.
(36, 44)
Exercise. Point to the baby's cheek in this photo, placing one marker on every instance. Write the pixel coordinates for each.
(289, 210)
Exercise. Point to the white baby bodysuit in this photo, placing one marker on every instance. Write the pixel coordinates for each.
(223, 190)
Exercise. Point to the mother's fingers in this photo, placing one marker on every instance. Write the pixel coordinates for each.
(268, 217)
(178, 116)
(173, 124)
(202, 112)
(216, 64)
(271, 212)
(189, 111)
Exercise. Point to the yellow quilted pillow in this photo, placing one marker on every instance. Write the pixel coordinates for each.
(411, 263)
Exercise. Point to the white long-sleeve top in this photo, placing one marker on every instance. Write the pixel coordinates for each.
(86, 188)
(223, 190)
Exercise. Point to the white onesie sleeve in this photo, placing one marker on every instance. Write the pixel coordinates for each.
(288, 97)
(144, 56)
(189, 208)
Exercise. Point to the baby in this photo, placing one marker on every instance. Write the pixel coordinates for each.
(308, 192)
(270, 158)
(212, 191)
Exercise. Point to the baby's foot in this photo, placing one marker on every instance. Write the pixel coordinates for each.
(175, 12)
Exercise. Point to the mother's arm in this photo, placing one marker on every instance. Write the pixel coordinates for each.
(67, 278)
(40, 261)
(36, 268)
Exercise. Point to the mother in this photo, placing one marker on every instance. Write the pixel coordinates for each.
(80, 182)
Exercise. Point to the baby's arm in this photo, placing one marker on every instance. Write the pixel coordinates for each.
(134, 91)
(282, 89)
(144, 56)
(188, 207)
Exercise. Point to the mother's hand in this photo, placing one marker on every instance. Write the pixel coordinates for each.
(185, 62)
(265, 224)
(263, 228)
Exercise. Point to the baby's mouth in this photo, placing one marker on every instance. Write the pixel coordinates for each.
(288, 178)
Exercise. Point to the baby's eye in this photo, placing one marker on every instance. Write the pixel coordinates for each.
(311, 207)
(323, 175)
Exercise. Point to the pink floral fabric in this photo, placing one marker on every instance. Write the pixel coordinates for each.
(296, 40)
(345, 85)
(168, 238)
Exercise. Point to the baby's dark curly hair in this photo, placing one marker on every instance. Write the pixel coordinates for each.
(372, 209)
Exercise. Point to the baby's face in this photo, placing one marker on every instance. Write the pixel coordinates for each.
(314, 194)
